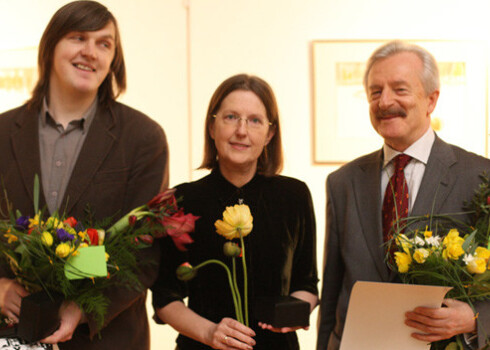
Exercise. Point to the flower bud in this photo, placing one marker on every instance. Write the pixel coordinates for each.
(185, 272)
(132, 220)
(147, 239)
(62, 250)
(47, 239)
(232, 250)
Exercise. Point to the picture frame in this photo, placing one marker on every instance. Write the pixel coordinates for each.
(342, 129)
(18, 75)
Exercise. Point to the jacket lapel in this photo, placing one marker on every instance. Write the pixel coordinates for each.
(97, 145)
(25, 144)
(437, 181)
(367, 192)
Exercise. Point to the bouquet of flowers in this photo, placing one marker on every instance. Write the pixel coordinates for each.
(79, 260)
(449, 252)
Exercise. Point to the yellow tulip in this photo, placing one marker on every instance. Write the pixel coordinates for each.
(236, 220)
(403, 261)
(47, 239)
(62, 250)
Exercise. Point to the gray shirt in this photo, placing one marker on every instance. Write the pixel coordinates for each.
(59, 149)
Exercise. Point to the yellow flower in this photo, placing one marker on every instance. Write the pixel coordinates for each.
(11, 237)
(427, 234)
(483, 253)
(74, 251)
(236, 219)
(403, 242)
(34, 221)
(477, 265)
(453, 251)
(62, 250)
(452, 238)
(53, 223)
(101, 234)
(107, 257)
(47, 239)
(83, 235)
(420, 255)
(403, 261)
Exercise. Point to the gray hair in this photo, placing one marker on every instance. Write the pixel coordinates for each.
(430, 72)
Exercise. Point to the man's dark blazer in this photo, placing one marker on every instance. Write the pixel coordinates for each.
(123, 163)
(353, 242)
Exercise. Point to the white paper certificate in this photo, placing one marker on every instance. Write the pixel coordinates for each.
(376, 315)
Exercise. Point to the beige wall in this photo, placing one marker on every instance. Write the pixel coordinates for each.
(269, 38)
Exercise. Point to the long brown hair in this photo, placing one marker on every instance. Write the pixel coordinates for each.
(80, 16)
(270, 161)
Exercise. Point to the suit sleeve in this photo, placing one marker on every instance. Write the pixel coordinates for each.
(148, 176)
(483, 323)
(332, 273)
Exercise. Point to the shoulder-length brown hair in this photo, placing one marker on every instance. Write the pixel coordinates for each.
(270, 161)
(80, 16)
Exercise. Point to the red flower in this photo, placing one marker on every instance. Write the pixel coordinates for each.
(164, 199)
(71, 221)
(93, 235)
(132, 220)
(178, 227)
(488, 200)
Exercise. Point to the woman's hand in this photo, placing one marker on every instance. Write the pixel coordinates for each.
(231, 334)
(11, 294)
(71, 316)
(282, 329)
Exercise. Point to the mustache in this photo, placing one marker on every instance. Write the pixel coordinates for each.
(398, 112)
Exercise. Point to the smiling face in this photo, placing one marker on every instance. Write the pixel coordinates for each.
(239, 146)
(399, 106)
(82, 60)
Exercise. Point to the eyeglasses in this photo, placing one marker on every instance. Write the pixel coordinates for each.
(254, 123)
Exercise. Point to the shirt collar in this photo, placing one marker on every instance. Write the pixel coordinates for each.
(419, 150)
(85, 120)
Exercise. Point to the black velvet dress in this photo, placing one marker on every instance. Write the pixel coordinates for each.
(280, 251)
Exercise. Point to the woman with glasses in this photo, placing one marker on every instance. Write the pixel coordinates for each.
(243, 151)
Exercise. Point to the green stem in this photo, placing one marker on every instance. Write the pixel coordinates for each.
(123, 223)
(214, 261)
(239, 299)
(245, 280)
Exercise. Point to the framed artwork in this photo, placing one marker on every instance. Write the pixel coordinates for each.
(18, 74)
(342, 129)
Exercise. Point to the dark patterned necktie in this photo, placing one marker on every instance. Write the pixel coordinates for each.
(395, 203)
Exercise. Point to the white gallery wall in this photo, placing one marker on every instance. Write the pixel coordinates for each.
(177, 52)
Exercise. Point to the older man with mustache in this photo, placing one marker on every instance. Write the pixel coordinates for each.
(402, 86)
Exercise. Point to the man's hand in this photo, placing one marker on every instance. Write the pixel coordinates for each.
(11, 294)
(71, 315)
(441, 323)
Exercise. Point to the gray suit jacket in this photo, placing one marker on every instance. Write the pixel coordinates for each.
(353, 242)
(123, 163)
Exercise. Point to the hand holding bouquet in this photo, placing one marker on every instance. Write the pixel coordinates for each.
(78, 260)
